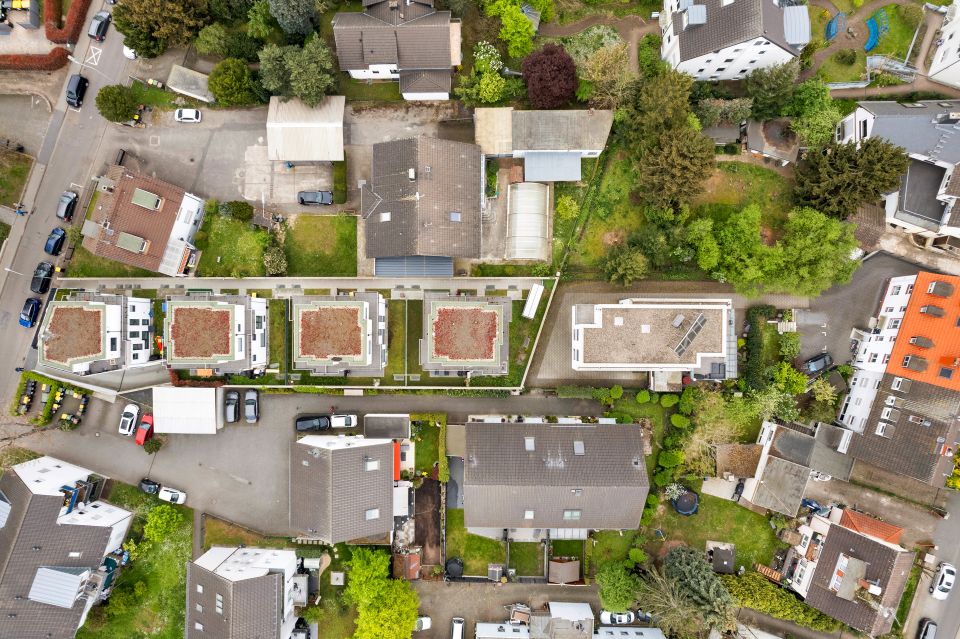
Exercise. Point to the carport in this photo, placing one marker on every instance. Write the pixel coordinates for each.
(191, 411)
(528, 221)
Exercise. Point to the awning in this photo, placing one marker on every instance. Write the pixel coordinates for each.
(551, 166)
(414, 266)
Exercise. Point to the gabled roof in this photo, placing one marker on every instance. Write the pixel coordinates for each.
(249, 608)
(732, 23)
(435, 213)
(866, 525)
(425, 81)
(923, 128)
(547, 471)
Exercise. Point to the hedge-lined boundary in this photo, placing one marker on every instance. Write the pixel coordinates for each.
(70, 33)
(52, 61)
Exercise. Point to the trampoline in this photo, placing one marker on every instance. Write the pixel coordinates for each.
(877, 26)
(686, 504)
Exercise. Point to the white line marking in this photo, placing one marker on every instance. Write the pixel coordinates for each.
(75, 185)
(93, 59)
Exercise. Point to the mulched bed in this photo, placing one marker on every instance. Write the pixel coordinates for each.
(330, 332)
(200, 332)
(75, 333)
(464, 333)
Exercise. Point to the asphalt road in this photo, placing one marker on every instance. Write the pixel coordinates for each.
(945, 613)
(65, 161)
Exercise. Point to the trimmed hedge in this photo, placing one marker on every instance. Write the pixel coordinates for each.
(72, 26)
(753, 369)
(52, 61)
(340, 182)
(755, 591)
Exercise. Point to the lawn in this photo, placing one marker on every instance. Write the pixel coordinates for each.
(230, 248)
(155, 607)
(476, 551)
(818, 23)
(833, 71)
(736, 185)
(770, 351)
(427, 444)
(396, 334)
(614, 217)
(322, 245)
(721, 520)
(896, 41)
(4, 232)
(86, 264)
(611, 545)
(909, 592)
(362, 90)
(567, 548)
(526, 557)
(14, 170)
(154, 96)
(414, 333)
(278, 333)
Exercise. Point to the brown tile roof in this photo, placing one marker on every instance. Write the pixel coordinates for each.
(866, 525)
(123, 216)
(412, 36)
(729, 24)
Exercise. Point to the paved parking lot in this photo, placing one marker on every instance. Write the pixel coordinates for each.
(23, 120)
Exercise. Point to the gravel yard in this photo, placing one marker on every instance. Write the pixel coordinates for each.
(73, 333)
(330, 331)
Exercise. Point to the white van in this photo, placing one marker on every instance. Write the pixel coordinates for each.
(457, 628)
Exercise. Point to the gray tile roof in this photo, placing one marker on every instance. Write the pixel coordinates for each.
(330, 491)
(412, 36)
(31, 539)
(886, 565)
(425, 81)
(918, 191)
(909, 448)
(813, 452)
(726, 26)
(573, 130)
(413, 217)
(251, 608)
(502, 479)
(781, 486)
(921, 129)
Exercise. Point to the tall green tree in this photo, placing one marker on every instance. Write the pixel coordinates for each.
(695, 576)
(231, 83)
(213, 39)
(713, 111)
(815, 114)
(743, 257)
(295, 17)
(313, 72)
(772, 89)
(116, 103)
(670, 604)
(815, 253)
(618, 588)
(840, 177)
(259, 20)
(274, 69)
(386, 608)
(624, 264)
(673, 172)
(658, 105)
(516, 31)
(153, 25)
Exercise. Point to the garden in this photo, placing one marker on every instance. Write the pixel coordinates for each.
(321, 245)
(476, 551)
(14, 170)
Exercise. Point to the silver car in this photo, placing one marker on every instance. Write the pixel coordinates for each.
(231, 406)
(251, 406)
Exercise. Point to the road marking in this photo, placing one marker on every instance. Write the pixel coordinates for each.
(93, 59)
(79, 186)
(74, 110)
(154, 140)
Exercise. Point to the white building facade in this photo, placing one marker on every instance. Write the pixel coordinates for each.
(945, 64)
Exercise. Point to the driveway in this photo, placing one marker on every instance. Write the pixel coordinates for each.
(442, 601)
(826, 325)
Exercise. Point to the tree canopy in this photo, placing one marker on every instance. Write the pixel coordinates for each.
(231, 83)
(815, 115)
(386, 608)
(670, 604)
(696, 578)
(294, 16)
(607, 71)
(618, 588)
(150, 26)
(772, 89)
(551, 77)
(116, 103)
(672, 173)
(624, 264)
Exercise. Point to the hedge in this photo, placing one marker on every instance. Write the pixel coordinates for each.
(340, 182)
(753, 369)
(52, 61)
(755, 591)
(70, 33)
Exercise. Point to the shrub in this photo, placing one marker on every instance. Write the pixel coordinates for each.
(669, 400)
(846, 57)
(753, 367)
(638, 556)
(161, 522)
(789, 346)
(654, 397)
(652, 501)
(911, 14)
(72, 25)
(231, 83)
(663, 478)
(616, 392)
(50, 62)
(670, 458)
(688, 400)
(152, 446)
(680, 421)
(275, 261)
(238, 210)
(755, 591)
(643, 397)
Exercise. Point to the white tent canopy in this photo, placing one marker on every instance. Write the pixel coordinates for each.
(192, 411)
(528, 222)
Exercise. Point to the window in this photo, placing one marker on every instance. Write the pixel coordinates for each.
(863, 134)
(219, 604)
(144, 322)
(371, 514)
(896, 290)
(577, 492)
(881, 428)
(762, 52)
(74, 554)
(903, 309)
(909, 289)
(113, 343)
(885, 413)
(138, 347)
(743, 70)
(571, 515)
(888, 309)
(894, 323)
(528, 514)
(454, 216)
(199, 589)
(719, 69)
(258, 322)
(945, 372)
(729, 60)
(886, 358)
(753, 62)
(699, 70)
(371, 464)
(874, 357)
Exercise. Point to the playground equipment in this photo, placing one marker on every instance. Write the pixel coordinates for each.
(877, 25)
(837, 24)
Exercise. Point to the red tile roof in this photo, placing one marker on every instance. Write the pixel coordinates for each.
(865, 525)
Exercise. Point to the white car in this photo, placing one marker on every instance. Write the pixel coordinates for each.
(128, 420)
(343, 421)
(616, 618)
(942, 582)
(423, 623)
(172, 495)
(186, 115)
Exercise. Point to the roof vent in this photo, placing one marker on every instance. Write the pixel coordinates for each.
(932, 310)
(940, 289)
(529, 444)
(578, 448)
(412, 174)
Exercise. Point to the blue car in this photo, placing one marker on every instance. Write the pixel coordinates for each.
(55, 242)
(31, 309)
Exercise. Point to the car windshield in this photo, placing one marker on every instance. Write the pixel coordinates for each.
(128, 415)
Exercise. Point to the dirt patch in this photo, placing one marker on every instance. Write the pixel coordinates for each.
(73, 333)
(466, 334)
(614, 238)
(427, 521)
(200, 332)
(329, 332)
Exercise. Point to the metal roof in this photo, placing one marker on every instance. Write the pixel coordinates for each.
(548, 166)
(185, 410)
(569, 130)
(300, 133)
(528, 221)
(57, 586)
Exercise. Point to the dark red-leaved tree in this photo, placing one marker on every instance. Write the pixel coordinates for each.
(551, 77)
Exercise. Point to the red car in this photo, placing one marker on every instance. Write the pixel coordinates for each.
(145, 430)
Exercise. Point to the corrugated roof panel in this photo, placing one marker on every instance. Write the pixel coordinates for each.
(57, 586)
(796, 25)
(551, 167)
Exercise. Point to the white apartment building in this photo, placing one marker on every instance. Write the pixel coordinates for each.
(945, 64)
(874, 346)
(727, 39)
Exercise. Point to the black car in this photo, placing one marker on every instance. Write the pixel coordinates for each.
(55, 242)
(76, 89)
(31, 309)
(67, 205)
(315, 198)
(149, 486)
(41, 278)
(818, 364)
(313, 422)
(99, 24)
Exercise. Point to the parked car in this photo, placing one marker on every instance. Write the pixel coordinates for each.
(55, 241)
(942, 582)
(343, 421)
(145, 430)
(128, 419)
(76, 89)
(315, 198)
(149, 486)
(423, 623)
(31, 309)
(40, 283)
(818, 364)
(251, 406)
(98, 26)
(457, 630)
(616, 618)
(231, 406)
(186, 115)
(66, 205)
(927, 629)
(172, 495)
(313, 422)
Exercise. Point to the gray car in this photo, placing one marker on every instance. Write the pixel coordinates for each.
(231, 407)
(251, 406)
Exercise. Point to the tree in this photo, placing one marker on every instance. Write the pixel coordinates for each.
(152, 446)
(162, 520)
(551, 77)
(823, 391)
(618, 588)
(672, 607)
(624, 264)
(260, 21)
(789, 346)
(772, 401)
(213, 39)
(840, 177)
(743, 257)
(695, 576)
(771, 89)
(159, 23)
(231, 83)
(387, 608)
(294, 16)
(545, 7)
(116, 103)
(516, 30)
(755, 591)
(274, 74)
(659, 104)
(814, 111)
(490, 88)
(140, 41)
(567, 208)
(649, 61)
(815, 253)
(717, 419)
(788, 379)
(674, 172)
(312, 71)
(607, 70)
(712, 111)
